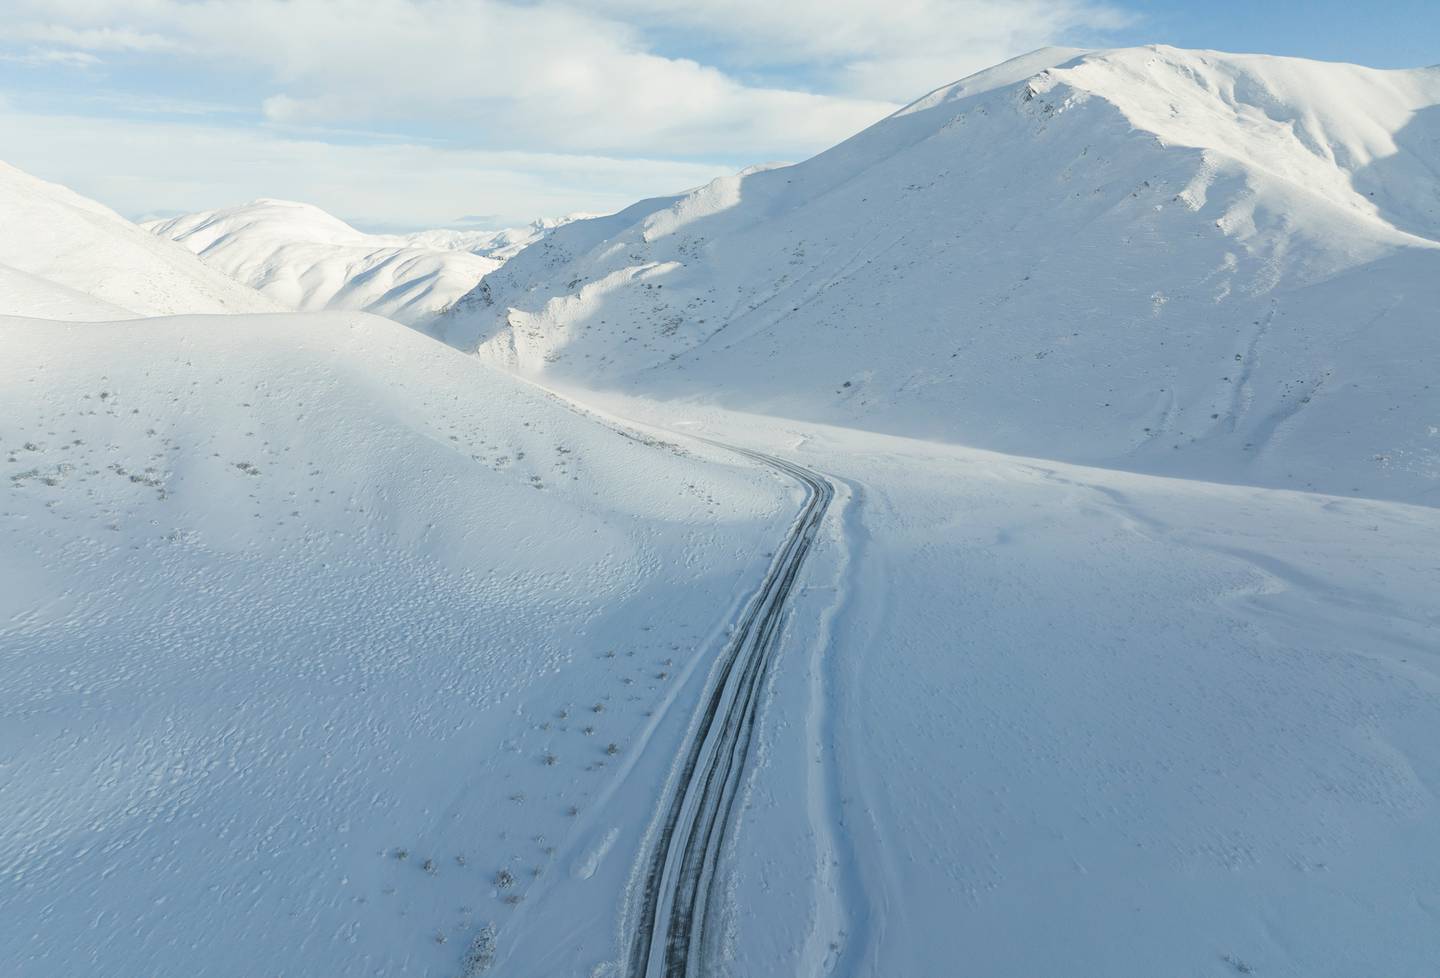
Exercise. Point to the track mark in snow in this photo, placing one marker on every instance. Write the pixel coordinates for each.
(674, 899)
(585, 867)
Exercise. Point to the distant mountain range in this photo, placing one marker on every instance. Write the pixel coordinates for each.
(307, 260)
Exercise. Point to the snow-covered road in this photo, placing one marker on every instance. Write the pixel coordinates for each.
(328, 650)
(671, 933)
(1048, 719)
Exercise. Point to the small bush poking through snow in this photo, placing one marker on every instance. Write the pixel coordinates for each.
(481, 953)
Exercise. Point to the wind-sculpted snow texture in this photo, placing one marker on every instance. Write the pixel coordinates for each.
(63, 256)
(1182, 262)
(305, 259)
(328, 650)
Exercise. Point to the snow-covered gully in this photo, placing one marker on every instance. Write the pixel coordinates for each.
(670, 933)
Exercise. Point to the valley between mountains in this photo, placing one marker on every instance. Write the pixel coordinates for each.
(1004, 544)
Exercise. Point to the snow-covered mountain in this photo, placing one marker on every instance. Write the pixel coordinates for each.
(1187, 262)
(330, 650)
(306, 259)
(501, 244)
(63, 256)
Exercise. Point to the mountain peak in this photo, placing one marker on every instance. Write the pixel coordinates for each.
(1129, 257)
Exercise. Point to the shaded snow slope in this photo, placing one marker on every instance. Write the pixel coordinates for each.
(308, 260)
(63, 256)
(1184, 262)
(313, 627)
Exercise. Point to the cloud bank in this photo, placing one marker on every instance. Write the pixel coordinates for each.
(711, 85)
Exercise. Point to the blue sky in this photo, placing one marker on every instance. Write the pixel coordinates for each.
(1387, 34)
(403, 113)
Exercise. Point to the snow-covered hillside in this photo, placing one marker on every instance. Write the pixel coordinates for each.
(329, 649)
(1184, 262)
(326, 648)
(63, 256)
(1043, 719)
(306, 259)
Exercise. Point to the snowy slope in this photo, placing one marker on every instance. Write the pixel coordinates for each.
(317, 636)
(329, 650)
(1182, 262)
(63, 256)
(1043, 719)
(313, 626)
(30, 295)
(308, 260)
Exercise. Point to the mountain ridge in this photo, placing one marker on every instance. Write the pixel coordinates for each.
(306, 259)
(1117, 259)
(64, 256)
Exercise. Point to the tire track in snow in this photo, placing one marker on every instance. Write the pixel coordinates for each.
(675, 893)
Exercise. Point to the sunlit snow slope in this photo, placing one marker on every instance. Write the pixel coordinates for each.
(63, 256)
(1043, 719)
(308, 260)
(1184, 262)
(326, 648)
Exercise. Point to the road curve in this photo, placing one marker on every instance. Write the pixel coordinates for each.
(669, 939)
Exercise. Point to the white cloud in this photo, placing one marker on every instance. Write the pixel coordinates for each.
(155, 167)
(93, 39)
(39, 57)
(893, 50)
(583, 75)
(545, 75)
(541, 95)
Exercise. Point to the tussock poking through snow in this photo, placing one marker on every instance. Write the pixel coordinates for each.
(291, 615)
